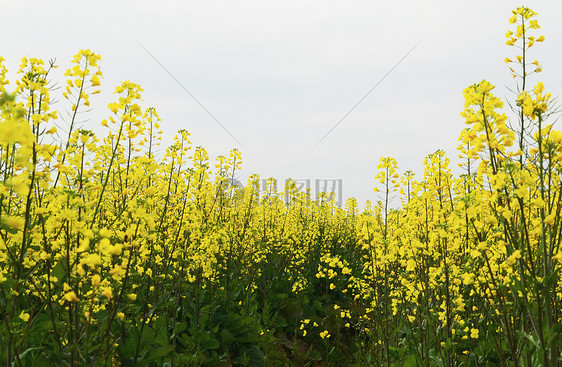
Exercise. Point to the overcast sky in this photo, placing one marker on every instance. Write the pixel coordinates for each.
(279, 75)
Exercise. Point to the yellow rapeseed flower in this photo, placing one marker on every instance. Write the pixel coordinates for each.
(24, 316)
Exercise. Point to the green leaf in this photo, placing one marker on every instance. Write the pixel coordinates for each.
(316, 355)
(147, 337)
(210, 343)
(156, 354)
(256, 356)
(410, 361)
(29, 350)
(248, 338)
(448, 344)
(227, 337)
(281, 321)
(8, 228)
(550, 280)
(58, 271)
(532, 339)
(162, 338)
(180, 328)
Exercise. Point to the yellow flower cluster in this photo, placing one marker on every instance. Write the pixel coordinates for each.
(101, 239)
